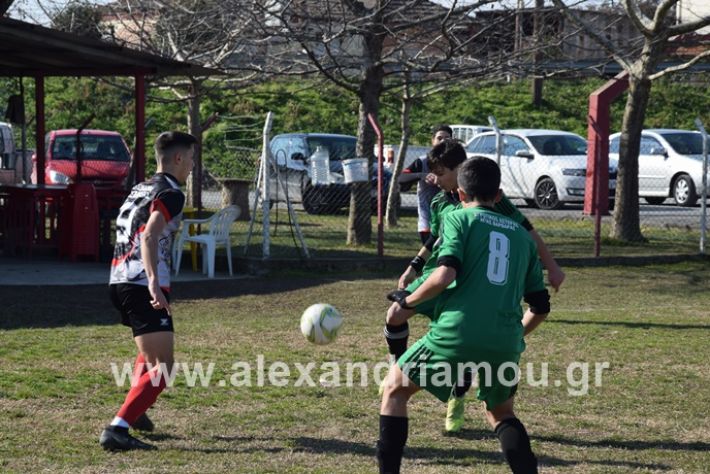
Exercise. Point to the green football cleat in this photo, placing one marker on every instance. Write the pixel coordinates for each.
(454, 414)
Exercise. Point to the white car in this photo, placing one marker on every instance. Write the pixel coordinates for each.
(546, 168)
(464, 133)
(670, 165)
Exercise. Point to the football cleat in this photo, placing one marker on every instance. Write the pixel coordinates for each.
(113, 439)
(454, 414)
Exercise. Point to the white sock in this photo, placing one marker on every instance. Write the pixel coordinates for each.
(120, 422)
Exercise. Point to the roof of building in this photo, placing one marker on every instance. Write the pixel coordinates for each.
(30, 50)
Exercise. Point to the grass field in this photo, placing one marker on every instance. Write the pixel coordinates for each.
(650, 414)
(325, 236)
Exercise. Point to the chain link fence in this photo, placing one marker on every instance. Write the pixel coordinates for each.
(311, 207)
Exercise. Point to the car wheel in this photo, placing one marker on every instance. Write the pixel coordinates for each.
(312, 202)
(656, 201)
(684, 191)
(322, 199)
(546, 197)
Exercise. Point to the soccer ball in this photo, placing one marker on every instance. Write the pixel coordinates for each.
(320, 323)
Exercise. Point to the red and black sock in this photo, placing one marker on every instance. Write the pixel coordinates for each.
(142, 395)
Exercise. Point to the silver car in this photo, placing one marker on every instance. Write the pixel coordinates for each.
(546, 168)
(670, 165)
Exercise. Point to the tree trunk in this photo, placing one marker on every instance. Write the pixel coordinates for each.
(359, 219)
(626, 224)
(194, 127)
(393, 194)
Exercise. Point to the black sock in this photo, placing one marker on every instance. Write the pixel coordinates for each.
(462, 386)
(396, 337)
(393, 437)
(515, 443)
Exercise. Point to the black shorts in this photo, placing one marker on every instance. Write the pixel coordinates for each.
(133, 301)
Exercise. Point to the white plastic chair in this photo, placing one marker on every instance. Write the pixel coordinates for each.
(218, 234)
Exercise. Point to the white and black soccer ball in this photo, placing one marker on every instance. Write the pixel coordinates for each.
(320, 323)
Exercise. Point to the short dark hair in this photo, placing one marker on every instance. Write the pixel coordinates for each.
(448, 153)
(442, 128)
(169, 142)
(479, 178)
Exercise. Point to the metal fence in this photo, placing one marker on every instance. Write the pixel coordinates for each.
(307, 186)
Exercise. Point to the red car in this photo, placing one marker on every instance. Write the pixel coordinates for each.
(104, 156)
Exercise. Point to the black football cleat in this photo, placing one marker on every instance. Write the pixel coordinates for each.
(118, 439)
(143, 423)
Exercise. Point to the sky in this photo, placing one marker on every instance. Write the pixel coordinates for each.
(29, 10)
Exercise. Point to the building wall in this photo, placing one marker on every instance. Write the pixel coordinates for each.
(691, 10)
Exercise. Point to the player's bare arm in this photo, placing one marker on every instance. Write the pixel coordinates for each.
(414, 269)
(531, 321)
(437, 282)
(555, 275)
(149, 250)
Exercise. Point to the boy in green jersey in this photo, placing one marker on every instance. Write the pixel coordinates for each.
(486, 264)
(444, 161)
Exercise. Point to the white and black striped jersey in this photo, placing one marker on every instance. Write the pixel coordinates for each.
(161, 193)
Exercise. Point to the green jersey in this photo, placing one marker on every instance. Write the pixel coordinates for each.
(497, 264)
(441, 205)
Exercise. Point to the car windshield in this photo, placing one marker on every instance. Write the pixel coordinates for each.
(92, 147)
(339, 148)
(687, 143)
(558, 145)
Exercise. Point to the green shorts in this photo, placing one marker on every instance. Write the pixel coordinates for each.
(438, 374)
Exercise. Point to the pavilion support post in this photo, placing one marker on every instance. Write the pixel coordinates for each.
(39, 127)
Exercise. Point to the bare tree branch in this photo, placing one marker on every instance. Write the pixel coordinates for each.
(608, 46)
(659, 16)
(683, 28)
(643, 24)
(680, 67)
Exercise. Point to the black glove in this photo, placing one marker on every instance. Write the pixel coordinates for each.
(399, 297)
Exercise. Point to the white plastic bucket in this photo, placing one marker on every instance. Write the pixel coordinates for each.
(319, 164)
(355, 170)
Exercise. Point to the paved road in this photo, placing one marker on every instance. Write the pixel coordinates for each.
(667, 214)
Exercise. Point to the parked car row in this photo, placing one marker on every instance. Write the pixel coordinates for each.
(670, 165)
(546, 168)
